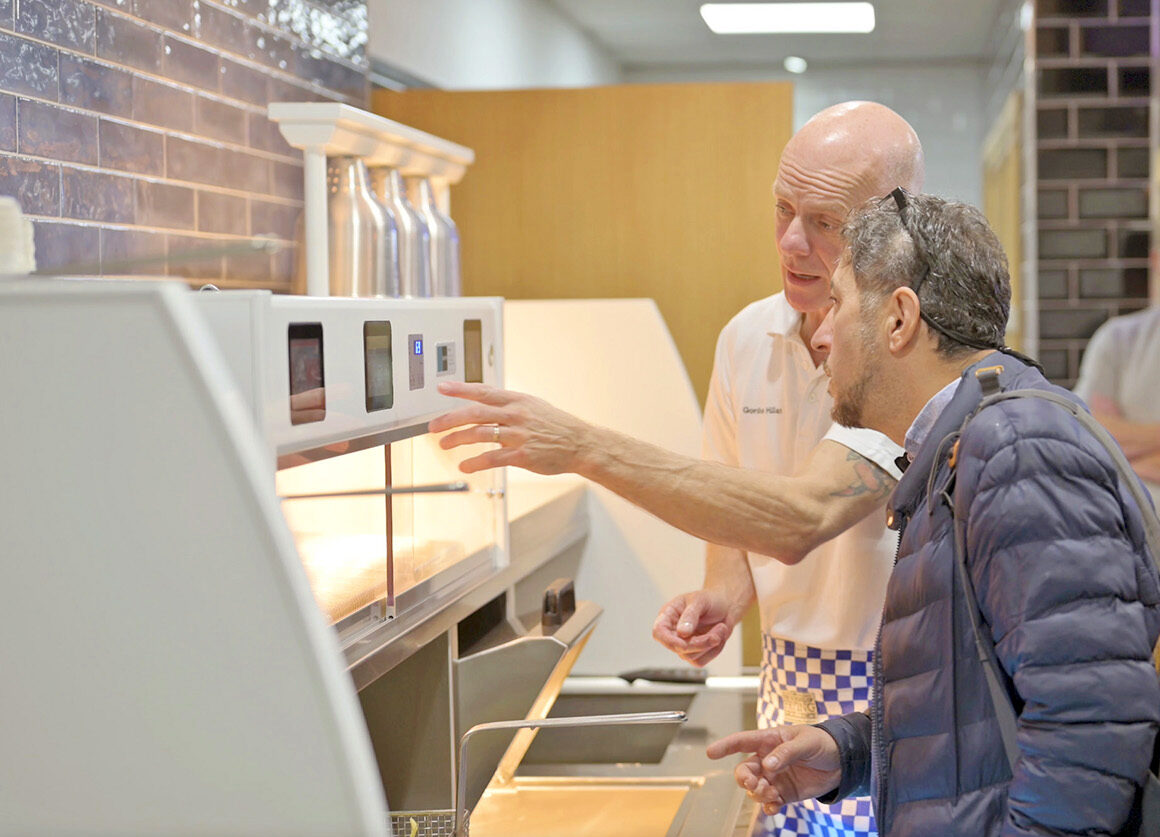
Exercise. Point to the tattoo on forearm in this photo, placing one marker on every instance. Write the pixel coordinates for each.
(868, 479)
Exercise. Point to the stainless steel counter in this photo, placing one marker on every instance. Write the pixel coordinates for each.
(715, 805)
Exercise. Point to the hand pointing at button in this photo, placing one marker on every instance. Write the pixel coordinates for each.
(532, 434)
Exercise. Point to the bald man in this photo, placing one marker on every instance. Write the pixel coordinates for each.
(789, 503)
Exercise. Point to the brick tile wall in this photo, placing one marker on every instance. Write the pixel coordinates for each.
(133, 128)
(1093, 81)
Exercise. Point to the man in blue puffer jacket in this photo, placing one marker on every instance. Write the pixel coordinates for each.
(1055, 547)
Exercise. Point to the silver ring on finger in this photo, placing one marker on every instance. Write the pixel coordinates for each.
(495, 433)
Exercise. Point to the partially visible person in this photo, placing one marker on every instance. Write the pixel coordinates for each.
(1056, 553)
(1120, 380)
(802, 533)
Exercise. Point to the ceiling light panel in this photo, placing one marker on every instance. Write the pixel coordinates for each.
(786, 18)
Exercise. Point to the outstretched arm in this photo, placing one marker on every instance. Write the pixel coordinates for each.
(1148, 467)
(1140, 440)
(785, 517)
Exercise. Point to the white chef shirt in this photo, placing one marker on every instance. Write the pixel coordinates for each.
(768, 408)
(1122, 363)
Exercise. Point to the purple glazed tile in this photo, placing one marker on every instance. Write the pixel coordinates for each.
(265, 135)
(284, 91)
(170, 14)
(34, 184)
(164, 205)
(243, 83)
(250, 268)
(286, 180)
(222, 213)
(245, 171)
(56, 133)
(27, 67)
(182, 250)
(119, 246)
(123, 6)
(288, 273)
(87, 84)
(6, 14)
(95, 196)
(128, 42)
(269, 49)
(66, 23)
(267, 11)
(7, 123)
(195, 162)
(60, 245)
(189, 64)
(277, 218)
(320, 70)
(161, 105)
(353, 83)
(220, 30)
(251, 8)
(220, 121)
(127, 148)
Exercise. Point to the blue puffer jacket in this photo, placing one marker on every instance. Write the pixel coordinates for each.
(1056, 551)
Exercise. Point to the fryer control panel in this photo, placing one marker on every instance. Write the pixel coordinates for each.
(318, 371)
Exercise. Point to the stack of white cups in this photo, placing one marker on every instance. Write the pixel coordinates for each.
(17, 252)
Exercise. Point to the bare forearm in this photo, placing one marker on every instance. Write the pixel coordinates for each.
(1148, 467)
(727, 572)
(781, 516)
(1138, 439)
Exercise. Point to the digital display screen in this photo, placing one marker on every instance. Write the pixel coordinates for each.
(473, 351)
(415, 372)
(307, 381)
(379, 368)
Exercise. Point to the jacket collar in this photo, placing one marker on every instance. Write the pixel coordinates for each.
(911, 489)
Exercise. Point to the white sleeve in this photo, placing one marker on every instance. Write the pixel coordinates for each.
(868, 443)
(719, 429)
(1099, 372)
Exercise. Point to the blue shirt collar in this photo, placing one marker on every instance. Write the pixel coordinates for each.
(925, 420)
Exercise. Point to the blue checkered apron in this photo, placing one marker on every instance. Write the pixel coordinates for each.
(803, 685)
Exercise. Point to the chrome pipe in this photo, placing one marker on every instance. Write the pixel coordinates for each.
(435, 488)
(631, 718)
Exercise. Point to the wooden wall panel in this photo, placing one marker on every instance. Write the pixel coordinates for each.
(659, 191)
(1002, 204)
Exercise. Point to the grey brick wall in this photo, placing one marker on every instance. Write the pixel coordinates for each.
(1093, 82)
(137, 127)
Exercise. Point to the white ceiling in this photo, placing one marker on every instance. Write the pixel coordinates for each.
(671, 34)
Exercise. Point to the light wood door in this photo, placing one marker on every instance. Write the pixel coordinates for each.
(1002, 204)
(660, 191)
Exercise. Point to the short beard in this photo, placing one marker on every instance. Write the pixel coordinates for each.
(850, 405)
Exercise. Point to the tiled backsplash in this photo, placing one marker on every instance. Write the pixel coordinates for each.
(137, 128)
(1093, 80)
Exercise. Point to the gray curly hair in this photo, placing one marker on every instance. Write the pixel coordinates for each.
(946, 252)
